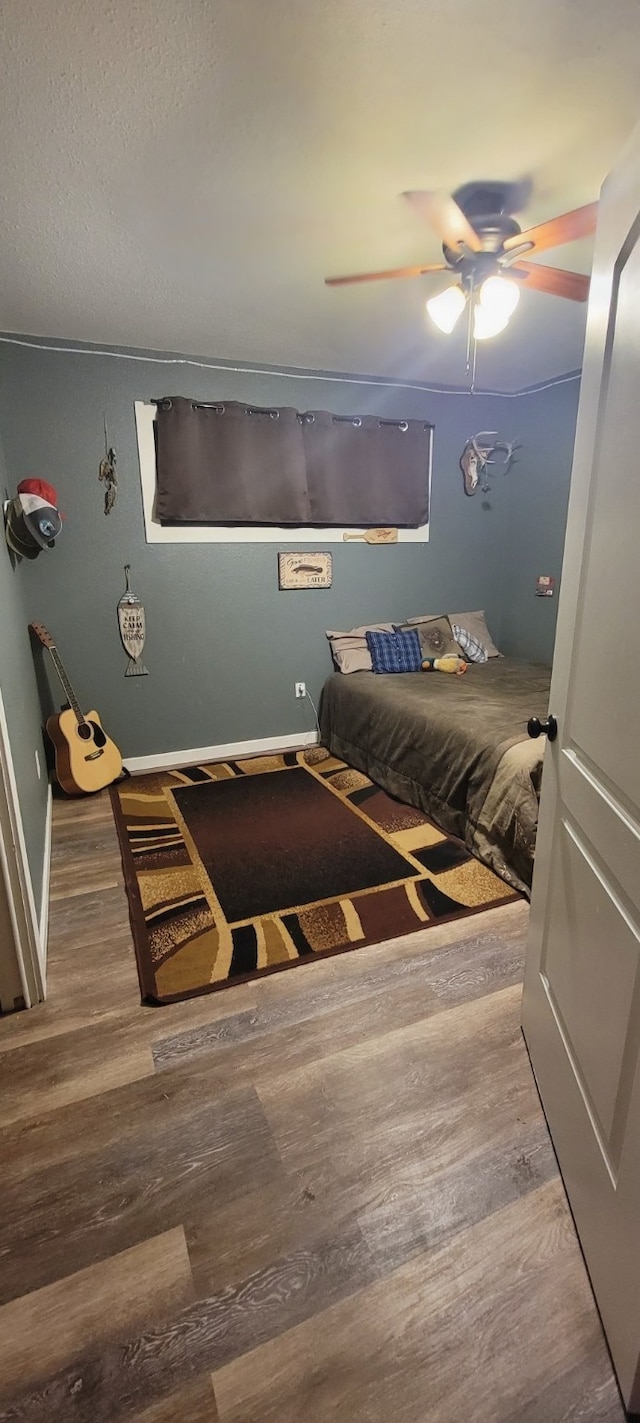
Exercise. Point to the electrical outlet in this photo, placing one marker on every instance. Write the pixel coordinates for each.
(300, 689)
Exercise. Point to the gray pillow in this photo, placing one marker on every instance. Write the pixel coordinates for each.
(436, 637)
(349, 649)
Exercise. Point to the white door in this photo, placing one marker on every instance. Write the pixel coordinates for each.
(23, 946)
(581, 1006)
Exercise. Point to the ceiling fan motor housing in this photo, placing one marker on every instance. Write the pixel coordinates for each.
(488, 206)
(477, 199)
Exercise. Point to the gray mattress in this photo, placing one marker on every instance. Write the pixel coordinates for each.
(456, 747)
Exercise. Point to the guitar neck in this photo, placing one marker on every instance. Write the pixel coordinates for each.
(70, 694)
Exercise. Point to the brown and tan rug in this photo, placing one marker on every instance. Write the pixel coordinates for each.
(239, 868)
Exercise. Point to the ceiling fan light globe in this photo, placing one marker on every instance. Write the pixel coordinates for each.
(488, 323)
(499, 297)
(446, 308)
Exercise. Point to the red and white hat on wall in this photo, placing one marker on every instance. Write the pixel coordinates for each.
(42, 488)
(39, 504)
(32, 518)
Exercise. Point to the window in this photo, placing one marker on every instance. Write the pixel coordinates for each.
(157, 532)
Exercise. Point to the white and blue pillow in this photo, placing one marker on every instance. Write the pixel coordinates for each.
(472, 648)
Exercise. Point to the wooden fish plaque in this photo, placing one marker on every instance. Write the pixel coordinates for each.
(133, 629)
(374, 536)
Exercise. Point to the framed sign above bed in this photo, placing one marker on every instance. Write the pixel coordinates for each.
(341, 496)
(305, 570)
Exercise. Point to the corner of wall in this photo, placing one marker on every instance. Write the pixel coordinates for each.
(537, 495)
(22, 707)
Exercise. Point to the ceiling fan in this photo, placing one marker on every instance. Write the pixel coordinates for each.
(484, 247)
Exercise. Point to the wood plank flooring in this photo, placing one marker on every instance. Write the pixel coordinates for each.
(329, 1195)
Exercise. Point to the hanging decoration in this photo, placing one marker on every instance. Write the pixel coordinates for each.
(107, 473)
(32, 520)
(476, 457)
(133, 629)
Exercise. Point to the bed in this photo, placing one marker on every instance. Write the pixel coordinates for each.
(455, 747)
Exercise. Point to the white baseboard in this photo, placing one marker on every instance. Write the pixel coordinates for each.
(43, 927)
(172, 760)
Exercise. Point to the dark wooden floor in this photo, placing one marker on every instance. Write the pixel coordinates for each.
(326, 1196)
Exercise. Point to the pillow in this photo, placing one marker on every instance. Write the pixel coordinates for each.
(473, 650)
(436, 636)
(474, 623)
(349, 649)
(395, 651)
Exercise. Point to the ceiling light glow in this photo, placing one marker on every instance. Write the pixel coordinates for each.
(499, 295)
(447, 308)
(487, 323)
(497, 301)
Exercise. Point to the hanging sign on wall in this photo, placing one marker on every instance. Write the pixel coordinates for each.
(133, 629)
(305, 570)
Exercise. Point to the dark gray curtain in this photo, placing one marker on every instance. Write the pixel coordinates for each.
(229, 463)
(367, 471)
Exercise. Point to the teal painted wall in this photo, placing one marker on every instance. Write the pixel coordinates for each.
(536, 494)
(224, 645)
(21, 701)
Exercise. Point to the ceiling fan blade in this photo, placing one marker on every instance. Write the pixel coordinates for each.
(443, 214)
(553, 280)
(566, 228)
(383, 276)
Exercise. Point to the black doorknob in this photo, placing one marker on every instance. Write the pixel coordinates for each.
(549, 728)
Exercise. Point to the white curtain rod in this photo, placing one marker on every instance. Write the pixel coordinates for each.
(286, 375)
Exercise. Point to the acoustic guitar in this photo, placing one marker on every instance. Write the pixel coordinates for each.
(86, 759)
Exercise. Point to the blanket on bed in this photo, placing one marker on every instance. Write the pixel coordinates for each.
(456, 747)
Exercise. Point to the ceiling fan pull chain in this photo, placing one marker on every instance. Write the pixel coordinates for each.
(470, 340)
(472, 386)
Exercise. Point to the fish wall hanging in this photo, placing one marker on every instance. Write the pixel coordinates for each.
(107, 473)
(133, 628)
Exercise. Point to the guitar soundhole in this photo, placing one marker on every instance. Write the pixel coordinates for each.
(90, 731)
(99, 735)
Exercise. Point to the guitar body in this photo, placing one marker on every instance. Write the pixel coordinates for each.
(86, 759)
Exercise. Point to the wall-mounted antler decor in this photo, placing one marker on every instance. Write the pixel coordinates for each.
(476, 457)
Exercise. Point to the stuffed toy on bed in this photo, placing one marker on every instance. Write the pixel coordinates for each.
(449, 663)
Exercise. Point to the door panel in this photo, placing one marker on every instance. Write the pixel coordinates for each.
(581, 1005)
(607, 649)
(605, 813)
(590, 968)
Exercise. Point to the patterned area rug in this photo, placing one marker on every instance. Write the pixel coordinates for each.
(240, 868)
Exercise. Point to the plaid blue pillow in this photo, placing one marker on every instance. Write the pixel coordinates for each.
(473, 650)
(395, 651)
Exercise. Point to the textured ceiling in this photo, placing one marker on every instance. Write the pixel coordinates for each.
(182, 174)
